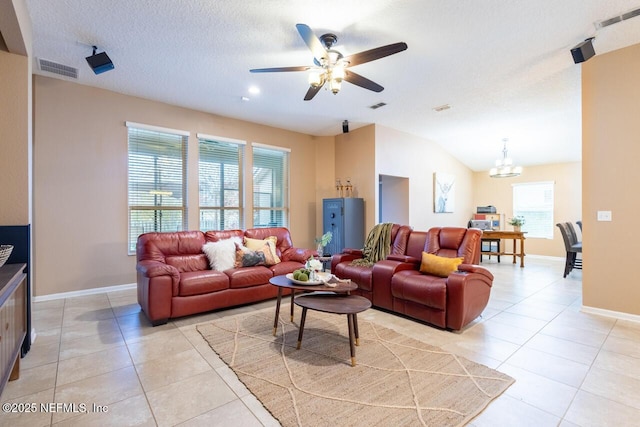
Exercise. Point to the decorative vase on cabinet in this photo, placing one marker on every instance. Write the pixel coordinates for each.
(344, 217)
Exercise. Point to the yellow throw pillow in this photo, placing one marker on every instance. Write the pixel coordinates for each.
(269, 250)
(438, 265)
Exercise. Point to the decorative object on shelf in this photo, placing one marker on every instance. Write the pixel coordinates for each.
(5, 252)
(504, 167)
(348, 189)
(444, 192)
(517, 222)
(323, 241)
(339, 188)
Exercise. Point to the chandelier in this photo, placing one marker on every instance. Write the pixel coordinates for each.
(504, 167)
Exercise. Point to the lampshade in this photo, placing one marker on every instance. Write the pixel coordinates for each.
(315, 78)
(504, 166)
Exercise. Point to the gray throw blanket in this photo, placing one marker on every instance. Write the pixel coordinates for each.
(377, 246)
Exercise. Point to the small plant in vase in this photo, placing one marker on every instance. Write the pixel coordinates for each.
(517, 222)
(323, 241)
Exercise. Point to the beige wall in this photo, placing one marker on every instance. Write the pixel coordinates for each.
(355, 160)
(15, 114)
(610, 153)
(80, 206)
(567, 201)
(404, 155)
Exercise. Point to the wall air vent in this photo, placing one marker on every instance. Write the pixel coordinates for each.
(378, 105)
(616, 19)
(55, 68)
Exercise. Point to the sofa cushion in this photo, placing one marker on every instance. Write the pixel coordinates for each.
(221, 254)
(438, 265)
(411, 285)
(267, 246)
(182, 263)
(244, 277)
(202, 282)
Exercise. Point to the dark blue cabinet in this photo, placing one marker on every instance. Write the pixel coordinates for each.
(344, 217)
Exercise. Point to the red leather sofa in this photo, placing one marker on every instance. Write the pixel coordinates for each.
(363, 275)
(174, 277)
(450, 302)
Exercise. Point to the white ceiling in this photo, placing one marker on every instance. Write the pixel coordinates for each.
(505, 67)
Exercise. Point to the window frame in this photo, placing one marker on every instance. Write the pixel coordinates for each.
(536, 229)
(241, 164)
(277, 193)
(157, 192)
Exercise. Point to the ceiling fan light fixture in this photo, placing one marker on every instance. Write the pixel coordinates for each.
(337, 73)
(335, 85)
(316, 78)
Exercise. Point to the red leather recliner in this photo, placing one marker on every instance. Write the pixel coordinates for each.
(448, 302)
(362, 275)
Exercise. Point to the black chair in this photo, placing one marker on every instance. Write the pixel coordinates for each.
(579, 224)
(572, 246)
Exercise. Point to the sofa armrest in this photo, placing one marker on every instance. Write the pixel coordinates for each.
(157, 283)
(150, 268)
(353, 251)
(404, 258)
(468, 291)
(298, 254)
(343, 257)
(471, 268)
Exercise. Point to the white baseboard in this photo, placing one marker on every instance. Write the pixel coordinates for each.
(609, 313)
(83, 292)
(547, 257)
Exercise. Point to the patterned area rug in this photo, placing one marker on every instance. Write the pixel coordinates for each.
(398, 380)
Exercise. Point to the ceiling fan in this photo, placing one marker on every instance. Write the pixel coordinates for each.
(331, 66)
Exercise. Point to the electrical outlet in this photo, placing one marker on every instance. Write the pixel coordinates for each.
(604, 215)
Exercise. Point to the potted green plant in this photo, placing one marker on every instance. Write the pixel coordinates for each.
(517, 222)
(323, 241)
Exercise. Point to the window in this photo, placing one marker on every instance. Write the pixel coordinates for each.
(157, 180)
(534, 202)
(220, 183)
(270, 186)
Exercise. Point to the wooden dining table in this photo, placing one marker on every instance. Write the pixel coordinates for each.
(507, 235)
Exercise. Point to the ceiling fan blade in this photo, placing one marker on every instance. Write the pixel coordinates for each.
(312, 92)
(377, 53)
(279, 69)
(319, 52)
(364, 82)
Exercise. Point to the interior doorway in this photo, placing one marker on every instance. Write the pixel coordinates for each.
(394, 199)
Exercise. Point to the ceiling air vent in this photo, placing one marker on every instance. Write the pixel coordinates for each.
(442, 107)
(616, 19)
(378, 105)
(55, 68)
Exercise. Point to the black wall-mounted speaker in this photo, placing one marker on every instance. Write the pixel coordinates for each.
(345, 126)
(583, 51)
(100, 62)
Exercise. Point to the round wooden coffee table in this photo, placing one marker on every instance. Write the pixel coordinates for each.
(350, 305)
(283, 283)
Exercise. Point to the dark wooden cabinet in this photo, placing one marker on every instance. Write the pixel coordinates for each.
(13, 320)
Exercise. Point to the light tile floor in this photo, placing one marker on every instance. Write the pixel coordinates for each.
(571, 368)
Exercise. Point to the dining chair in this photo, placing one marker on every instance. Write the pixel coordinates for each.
(572, 247)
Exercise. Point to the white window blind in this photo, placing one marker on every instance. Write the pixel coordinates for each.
(270, 187)
(534, 202)
(157, 181)
(220, 184)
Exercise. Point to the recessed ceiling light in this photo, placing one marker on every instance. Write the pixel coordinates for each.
(244, 98)
(254, 90)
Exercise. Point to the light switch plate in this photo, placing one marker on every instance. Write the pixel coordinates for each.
(604, 215)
